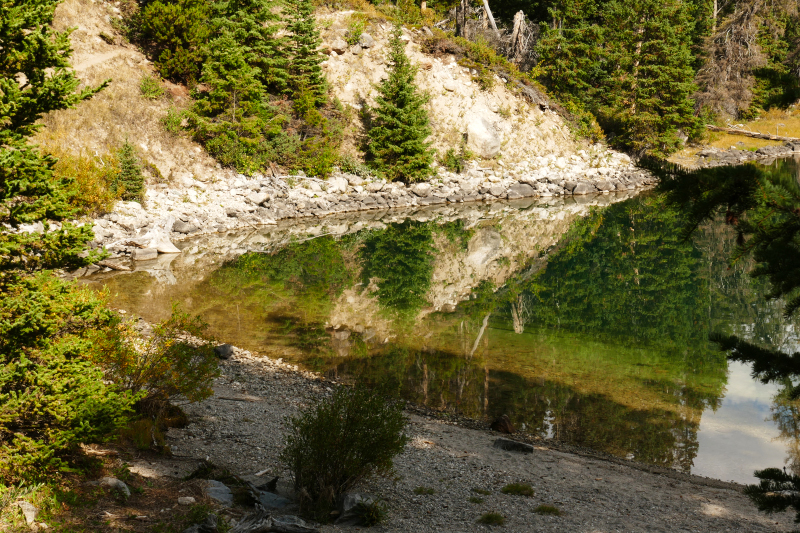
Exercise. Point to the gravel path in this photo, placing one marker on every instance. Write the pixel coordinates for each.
(241, 428)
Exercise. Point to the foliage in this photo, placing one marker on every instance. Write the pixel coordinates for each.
(164, 365)
(518, 489)
(355, 27)
(401, 259)
(372, 513)
(129, 182)
(303, 52)
(760, 204)
(492, 519)
(396, 139)
(90, 180)
(629, 64)
(350, 436)
(351, 165)
(547, 510)
(151, 88)
(174, 33)
(52, 396)
(29, 191)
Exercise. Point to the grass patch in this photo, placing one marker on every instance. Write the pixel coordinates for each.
(475, 499)
(518, 489)
(424, 490)
(548, 510)
(482, 491)
(371, 514)
(151, 88)
(492, 519)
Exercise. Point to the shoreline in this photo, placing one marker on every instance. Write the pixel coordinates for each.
(241, 429)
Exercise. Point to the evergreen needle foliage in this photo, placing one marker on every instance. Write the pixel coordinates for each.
(129, 184)
(340, 441)
(397, 143)
(305, 72)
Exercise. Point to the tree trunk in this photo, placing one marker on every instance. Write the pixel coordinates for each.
(516, 52)
(489, 15)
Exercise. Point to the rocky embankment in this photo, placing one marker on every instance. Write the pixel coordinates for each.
(235, 201)
(716, 157)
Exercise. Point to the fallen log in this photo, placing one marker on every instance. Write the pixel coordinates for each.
(753, 134)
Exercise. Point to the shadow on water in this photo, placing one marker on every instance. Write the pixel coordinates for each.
(589, 326)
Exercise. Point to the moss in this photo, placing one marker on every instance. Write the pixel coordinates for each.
(518, 489)
(492, 519)
(548, 510)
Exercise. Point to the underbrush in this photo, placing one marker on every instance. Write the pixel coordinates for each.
(91, 179)
(338, 442)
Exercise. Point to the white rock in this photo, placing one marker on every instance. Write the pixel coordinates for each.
(449, 85)
(375, 186)
(29, 511)
(186, 500)
(337, 184)
(482, 138)
(257, 198)
(421, 189)
(115, 484)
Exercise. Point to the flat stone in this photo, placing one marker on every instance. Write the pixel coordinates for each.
(604, 185)
(355, 49)
(257, 198)
(496, 190)
(29, 511)
(144, 254)
(513, 446)
(449, 85)
(219, 492)
(186, 500)
(339, 45)
(273, 501)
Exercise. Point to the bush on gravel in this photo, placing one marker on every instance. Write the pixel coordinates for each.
(339, 441)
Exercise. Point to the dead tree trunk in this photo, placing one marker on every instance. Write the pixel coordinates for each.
(461, 19)
(517, 45)
(489, 15)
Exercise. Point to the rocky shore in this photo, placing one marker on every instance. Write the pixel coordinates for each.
(229, 201)
(716, 157)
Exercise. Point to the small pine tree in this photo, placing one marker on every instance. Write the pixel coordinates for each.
(397, 142)
(305, 72)
(130, 181)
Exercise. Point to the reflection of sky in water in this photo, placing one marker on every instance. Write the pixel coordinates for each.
(742, 428)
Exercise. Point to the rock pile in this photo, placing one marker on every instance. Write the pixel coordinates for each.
(716, 157)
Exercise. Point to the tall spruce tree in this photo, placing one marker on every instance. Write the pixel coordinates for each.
(397, 142)
(305, 75)
(253, 25)
(51, 396)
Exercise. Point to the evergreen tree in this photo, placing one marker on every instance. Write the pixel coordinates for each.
(252, 24)
(303, 43)
(175, 34)
(51, 396)
(130, 181)
(397, 137)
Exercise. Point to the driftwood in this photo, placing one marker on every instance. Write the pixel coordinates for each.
(753, 134)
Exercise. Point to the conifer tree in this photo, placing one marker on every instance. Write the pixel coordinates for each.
(253, 25)
(51, 396)
(397, 137)
(304, 57)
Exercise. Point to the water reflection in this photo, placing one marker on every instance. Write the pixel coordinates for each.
(590, 327)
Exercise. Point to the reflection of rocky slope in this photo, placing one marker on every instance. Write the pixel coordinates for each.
(503, 241)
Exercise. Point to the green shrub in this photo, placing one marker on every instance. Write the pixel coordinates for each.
(371, 514)
(151, 88)
(52, 395)
(548, 510)
(351, 165)
(339, 441)
(475, 499)
(162, 365)
(172, 120)
(492, 519)
(518, 489)
(129, 183)
(424, 491)
(355, 27)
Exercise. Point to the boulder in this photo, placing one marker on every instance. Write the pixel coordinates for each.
(513, 446)
(158, 237)
(339, 45)
(449, 85)
(29, 511)
(502, 424)
(604, 185)
(269, 500)
(224, 351)
(583, 187)
(347, 505)
(257, 198)
(337, 184)
(219, 492)
(482, 138)
(520, 190)
(421, 189)
(366, 40)
(184, 227)
(375, 186)
(569, 186)
(355, 49)
(115, 484)
(497, 190)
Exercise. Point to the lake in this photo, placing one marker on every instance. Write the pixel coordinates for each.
(584, 320)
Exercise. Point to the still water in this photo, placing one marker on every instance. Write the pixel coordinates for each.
(584, 321)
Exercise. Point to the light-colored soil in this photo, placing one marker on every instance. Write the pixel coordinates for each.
(241, 428)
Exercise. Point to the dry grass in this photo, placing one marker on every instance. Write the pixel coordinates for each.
(101, 125)
(93, 176)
